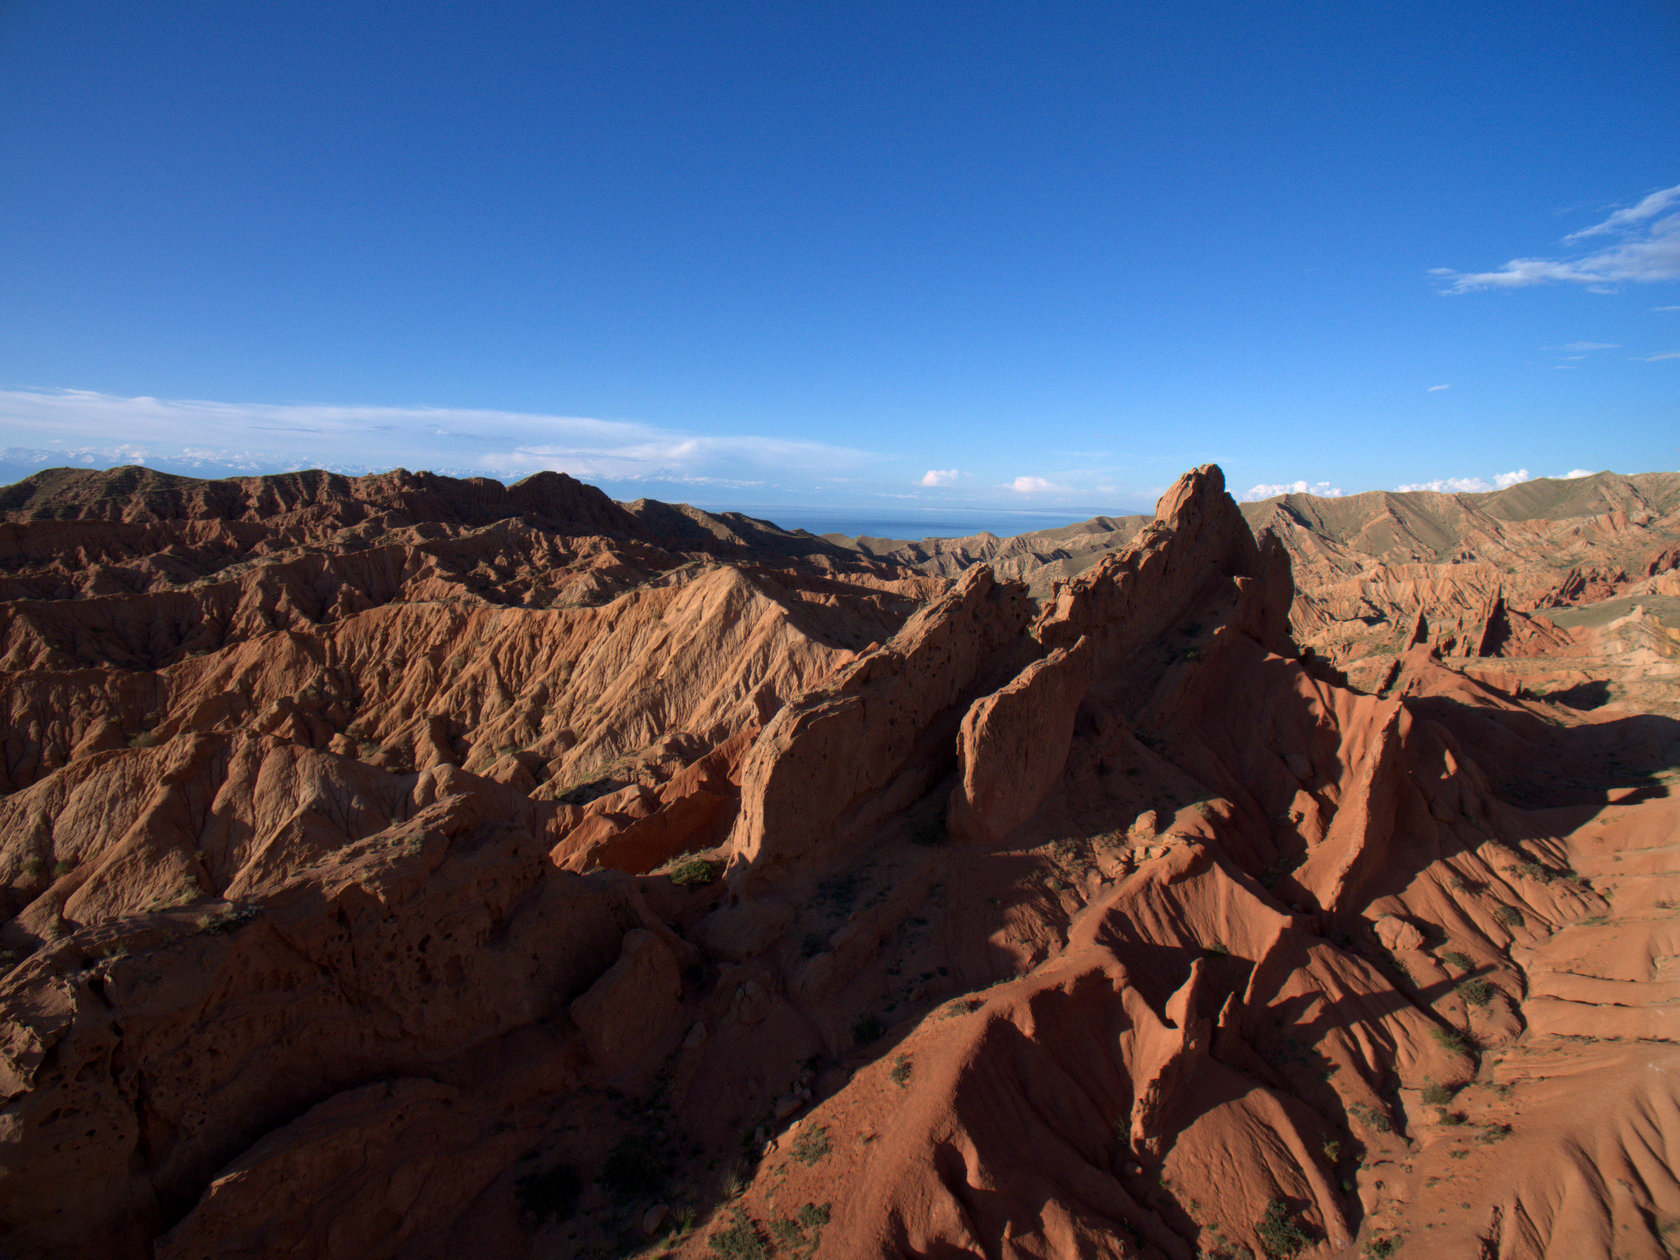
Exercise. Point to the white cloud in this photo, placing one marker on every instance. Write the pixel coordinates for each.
(1032, 485)
(1323, 489)
(81, 426)
(1574, 473)
(938, 477)
(1470, 485)
(1649, 208)
(1666, 308)
(1591, 345)
(1646, 248)
(1658, 358)
(1434, 389)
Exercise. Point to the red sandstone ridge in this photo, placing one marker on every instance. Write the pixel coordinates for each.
(407, 867)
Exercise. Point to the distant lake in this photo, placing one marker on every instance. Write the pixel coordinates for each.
(908, 526)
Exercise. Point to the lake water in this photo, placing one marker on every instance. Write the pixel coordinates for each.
(933, 523)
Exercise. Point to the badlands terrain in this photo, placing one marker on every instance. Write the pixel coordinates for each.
(401, 866)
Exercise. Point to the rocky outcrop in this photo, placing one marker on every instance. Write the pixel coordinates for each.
(829, 770)
(1013, 744)
(362, 845)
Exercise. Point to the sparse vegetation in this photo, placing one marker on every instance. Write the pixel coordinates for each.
(1381, 1248)
(32, 867)
(61, 869)
(1437, 1095)
(1458, 958)
(1452, 1040)
(1544, 874)
(1372, 1118)
(1508, 916)
(144, 739)
(740, 1241)
(867, 1029)
(1280, 1232)
(801, 1235)
(901, 1071)
(811, 1146)
(1477, 991)
(229, 919)
(696, 872)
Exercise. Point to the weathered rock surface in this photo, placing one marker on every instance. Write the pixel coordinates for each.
(361, 878)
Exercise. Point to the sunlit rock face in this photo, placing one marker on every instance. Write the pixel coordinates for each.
(401, 866)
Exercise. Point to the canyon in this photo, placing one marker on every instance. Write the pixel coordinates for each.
(407, 866)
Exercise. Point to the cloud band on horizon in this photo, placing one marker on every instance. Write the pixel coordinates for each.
(460, 441)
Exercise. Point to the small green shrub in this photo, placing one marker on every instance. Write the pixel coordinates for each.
(801, 1235)
(1509, 916)
(61, 869)
(145, 739)
(230, 919)
(1381, 1248)
(811, 1146)
(1280, 1234)
(1372, 1117)
(1452, 1039)
(1458, 958)
(1438, 1095)
(1477, 991)
(813, 1217)
(901, 1070)
(32, 867)
(696, 873)
(740, 1241)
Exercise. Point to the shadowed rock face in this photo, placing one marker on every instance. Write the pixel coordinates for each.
(400, 866)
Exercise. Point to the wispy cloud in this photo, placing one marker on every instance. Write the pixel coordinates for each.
(1645, 246)
(1575, 473)
(1639, 212)
(1435, 389)
(79, 426)
(1666, 308)
(1583, 346)
(1470, 485)
(938, 477)
(1263, 491)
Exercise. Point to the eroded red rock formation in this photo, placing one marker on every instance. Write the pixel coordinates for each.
(405, 867)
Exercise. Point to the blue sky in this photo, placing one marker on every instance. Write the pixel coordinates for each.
(888, 257)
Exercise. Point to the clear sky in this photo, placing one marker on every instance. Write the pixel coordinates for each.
(879, 256)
